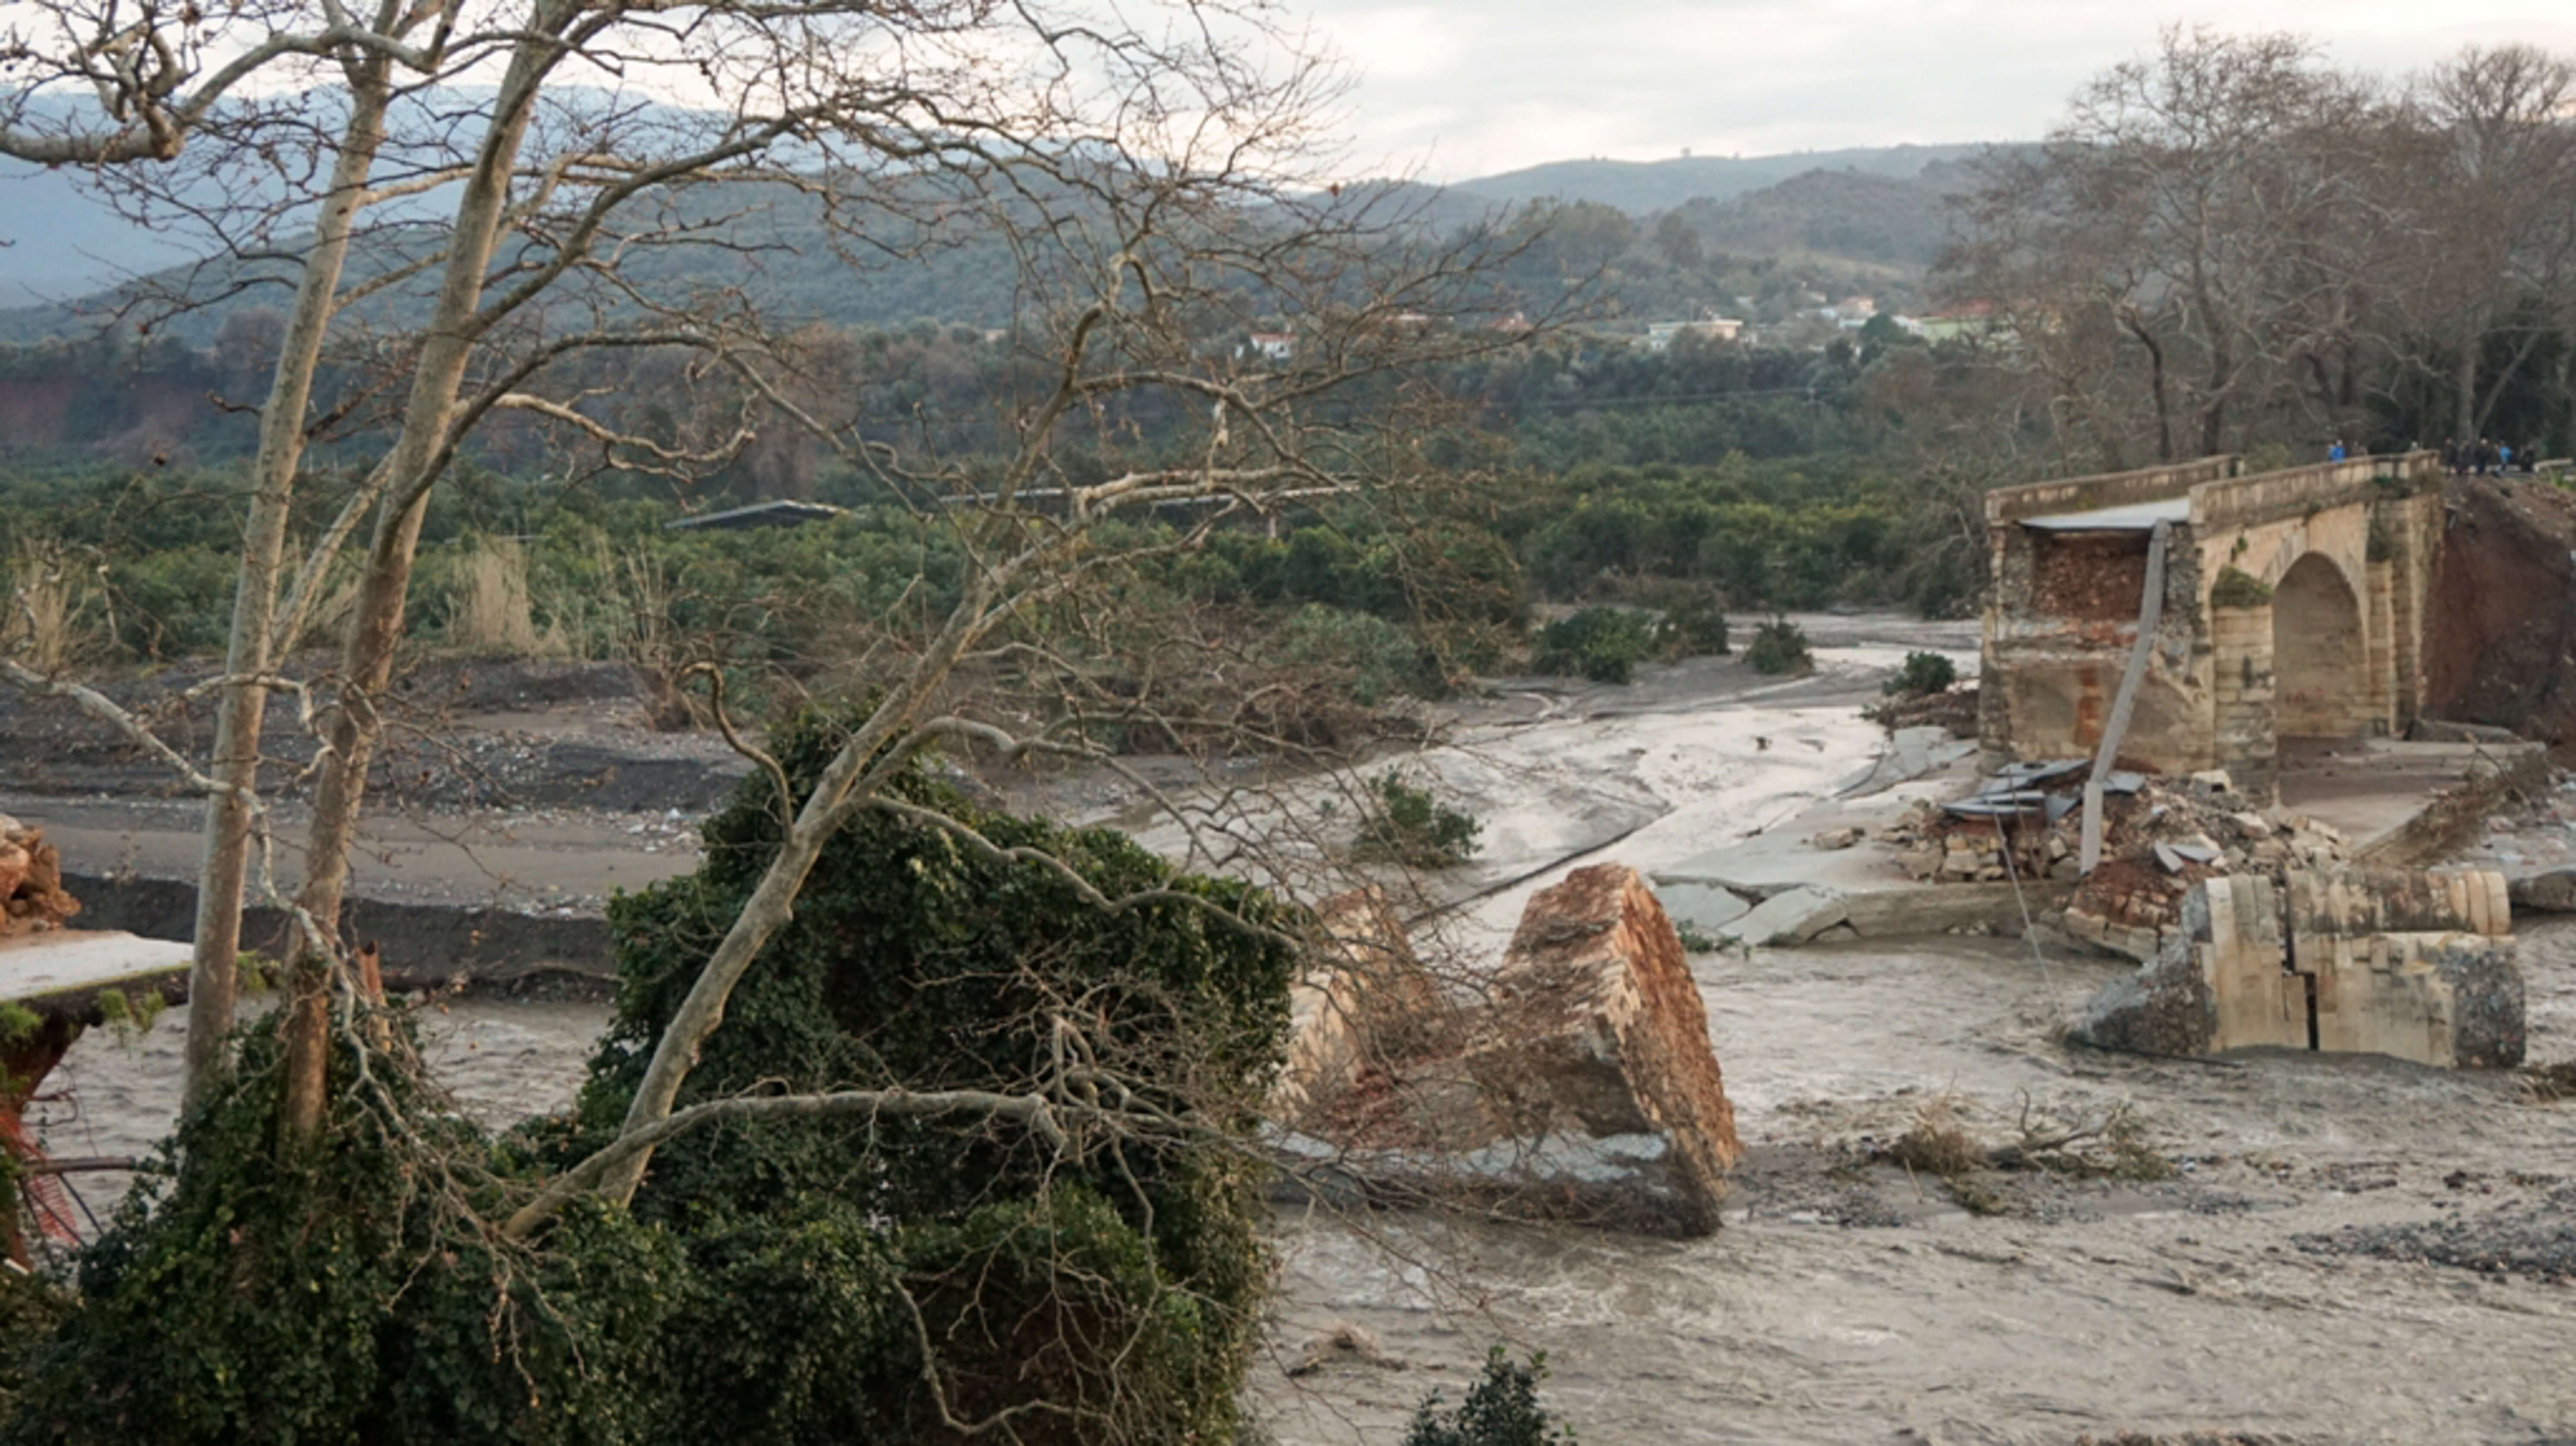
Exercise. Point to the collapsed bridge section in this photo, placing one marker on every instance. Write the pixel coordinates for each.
(2292, 606)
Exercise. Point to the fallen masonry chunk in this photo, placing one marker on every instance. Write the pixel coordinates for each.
(2415, 965)
(1597, 1036)
(1365, 996)
(31, 881)
(1583, 1088)
(2550, 893)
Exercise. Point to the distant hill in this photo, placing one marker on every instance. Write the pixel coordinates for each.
(1849, 215)
(1642, 186)
(59, 242)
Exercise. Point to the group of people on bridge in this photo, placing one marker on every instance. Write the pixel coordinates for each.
(2481, 458)
(2486, 458)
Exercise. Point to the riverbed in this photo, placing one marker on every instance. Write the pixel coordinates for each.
(2253, 1289)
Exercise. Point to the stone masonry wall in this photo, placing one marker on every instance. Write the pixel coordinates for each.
(2241, 687)
(2413, 965)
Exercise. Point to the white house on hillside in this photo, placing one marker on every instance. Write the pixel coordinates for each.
(1660, 334)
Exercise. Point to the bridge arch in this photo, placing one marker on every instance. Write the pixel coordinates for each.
(2320, 653)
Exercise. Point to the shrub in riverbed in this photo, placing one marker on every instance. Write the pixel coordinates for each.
(1409, 826)
(1604, 644)
(1501, 1409)
(1923, 675)
(1779, 647)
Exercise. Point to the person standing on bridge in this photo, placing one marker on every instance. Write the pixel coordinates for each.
(2335, 453)
(2451, 454)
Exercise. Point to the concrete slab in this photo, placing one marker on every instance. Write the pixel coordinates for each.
(1791, 917)
(2134, 517)
(1780, 858)
(72, 965)
(1708, 908)
(1911, 753)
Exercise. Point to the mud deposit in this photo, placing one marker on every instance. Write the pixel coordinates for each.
(2292, 1248)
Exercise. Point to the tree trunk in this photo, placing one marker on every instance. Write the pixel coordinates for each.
(212, 984)
(2464, 415)
(2156, 381)
(367, 657)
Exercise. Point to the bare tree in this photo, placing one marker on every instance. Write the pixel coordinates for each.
(529, 163)
(2209, 233)
(2492, 193)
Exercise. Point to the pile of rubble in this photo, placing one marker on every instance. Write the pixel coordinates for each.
(31, 881)
(1578, 1085)
(2160, 836)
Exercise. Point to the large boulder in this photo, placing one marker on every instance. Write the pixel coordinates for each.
(2397, 962)
(2553, 892)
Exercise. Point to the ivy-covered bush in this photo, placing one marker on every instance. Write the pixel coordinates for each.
(915, 959)
(779, 1282)
(338, 1293)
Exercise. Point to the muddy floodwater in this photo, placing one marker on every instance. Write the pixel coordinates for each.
(2308, 1249)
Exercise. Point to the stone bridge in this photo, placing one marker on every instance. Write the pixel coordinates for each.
(2292, 607)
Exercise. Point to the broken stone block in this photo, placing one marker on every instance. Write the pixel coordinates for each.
(1584, 1089)
(32, 897)
(1791, 917)
(2403, 963)
(1364, 997)
(1595, 1057)
(1836, 838)
(2215, 780)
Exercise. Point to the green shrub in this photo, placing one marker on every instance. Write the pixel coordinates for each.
(773, 1281)
(1694, 628)
(30, 1305)
(1500, 1410)
(914, 959)
(1372, 658)
(1408, 825)
(2237, 588)
(1779, 646)
(1923, 675)
(1604, 644)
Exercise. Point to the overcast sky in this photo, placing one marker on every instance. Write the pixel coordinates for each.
(1462, 88)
